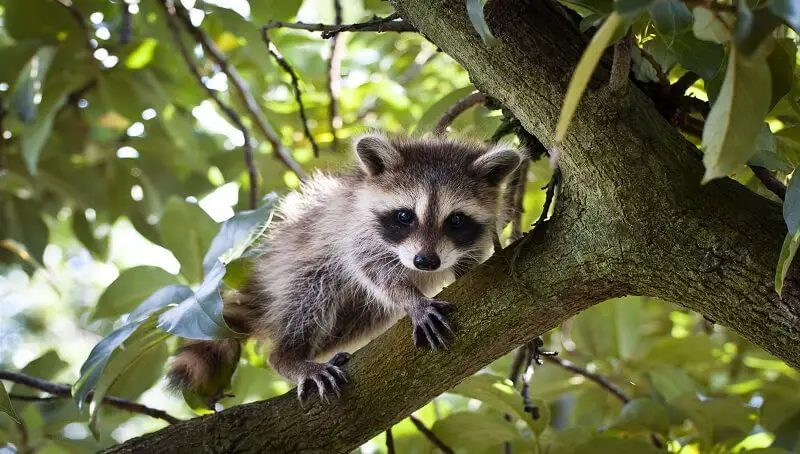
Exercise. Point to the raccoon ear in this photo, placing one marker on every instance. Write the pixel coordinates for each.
(375, 154)
(496, 164)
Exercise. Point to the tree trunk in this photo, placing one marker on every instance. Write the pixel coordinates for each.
(632, 218)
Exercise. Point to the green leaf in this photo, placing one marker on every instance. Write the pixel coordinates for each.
(791, 206)
(5, 405)
(187, 231)
(788, 11)
(782, 62)
(701, 57)
(161, 298)
(239, 233)
(632, 7)
(787, 435)
(23, 222)
(642, 415)
(31, 19)
(148, 371)
(583, 72)
(670, 382)
(85, 232)
(141, 341)
(717, 420)
(729, 136)
(263, 11)
(474, 431)
(497, 392)
(15, 57)
(767, 152)
(143, 54)
(566, 441)
(45, 367)
(712, 25)
(130, 288)
(610, 329)
(475, 12)
(785, 258)
(200, 316)
(437, 109)
(237, 273)
(671, 18)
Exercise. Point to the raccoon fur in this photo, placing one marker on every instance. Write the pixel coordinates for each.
(352, 252)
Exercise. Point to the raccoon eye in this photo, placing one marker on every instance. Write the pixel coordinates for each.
(456, 220)
(405, 216)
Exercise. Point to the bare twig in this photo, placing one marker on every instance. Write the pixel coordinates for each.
(621, 66)
(662, 78)
(335, 77)
(769, 181)
(430, 435)
(295, 87)
(457, 109)
(247, 147)
(65, 392)
(24, 398)
(77, 15)
(389, 442)
(550, 188)
(596, 378)
(126, 27)
(376, 24)
(242, 89)
(3, 113)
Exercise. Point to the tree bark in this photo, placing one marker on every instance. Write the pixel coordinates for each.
(632, 218)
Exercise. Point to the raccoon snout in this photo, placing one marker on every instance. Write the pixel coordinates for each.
(427, 262)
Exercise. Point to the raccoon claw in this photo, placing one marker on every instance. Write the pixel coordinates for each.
(324, 379)
(431, 327)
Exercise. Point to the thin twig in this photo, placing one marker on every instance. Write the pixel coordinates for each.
(389, 442)
(662, 78)
(77, 15)
(24, 398)
(335, 77)
(430, 435)
(295, 87)
(126, 27)
(769, 181)
(457, 109)
(244, 92)
(65, 392)
(598, 379)
(233, 117)
(621, 65)
(3, 113)
(376, 24)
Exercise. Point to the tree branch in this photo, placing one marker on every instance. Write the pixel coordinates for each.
(430, 435)
(662, 78)
(457, 109)
(65, 392)
(376, 24)
(769, 181)
(335, 77)
(621, 66)
(631, 219)
(233, 117)
(256, 114)
(596, 378)
(298, 96)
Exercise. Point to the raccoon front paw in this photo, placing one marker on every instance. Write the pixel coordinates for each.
(431, 327)
(323, 379)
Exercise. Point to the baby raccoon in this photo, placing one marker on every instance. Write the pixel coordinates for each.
(354, 252)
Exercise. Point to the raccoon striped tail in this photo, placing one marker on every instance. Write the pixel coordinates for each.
(204, 369)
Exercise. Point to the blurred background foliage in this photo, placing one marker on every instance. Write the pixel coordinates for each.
(116, 170)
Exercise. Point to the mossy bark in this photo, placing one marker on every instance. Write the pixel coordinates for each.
(632, 218)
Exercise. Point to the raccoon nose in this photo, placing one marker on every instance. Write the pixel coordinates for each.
(427, 262)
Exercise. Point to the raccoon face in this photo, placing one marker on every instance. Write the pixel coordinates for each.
(433, 202)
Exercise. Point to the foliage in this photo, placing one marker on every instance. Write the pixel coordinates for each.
(111, 150)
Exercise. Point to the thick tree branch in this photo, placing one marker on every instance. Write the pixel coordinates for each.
(631, 219)
(249, 101)
(65, 392)
(247, 147)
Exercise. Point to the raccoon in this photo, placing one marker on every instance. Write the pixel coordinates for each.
(353, 252)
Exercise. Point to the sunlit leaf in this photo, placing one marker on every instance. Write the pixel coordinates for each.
(712, 25)
(131, 288)
(5, 404)
(264, 11)
(475, 12)
(161, 298)
(199, 316)
(143, 54)
(467, 430)
(736, 117)
(583, 72)
(671, 382)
